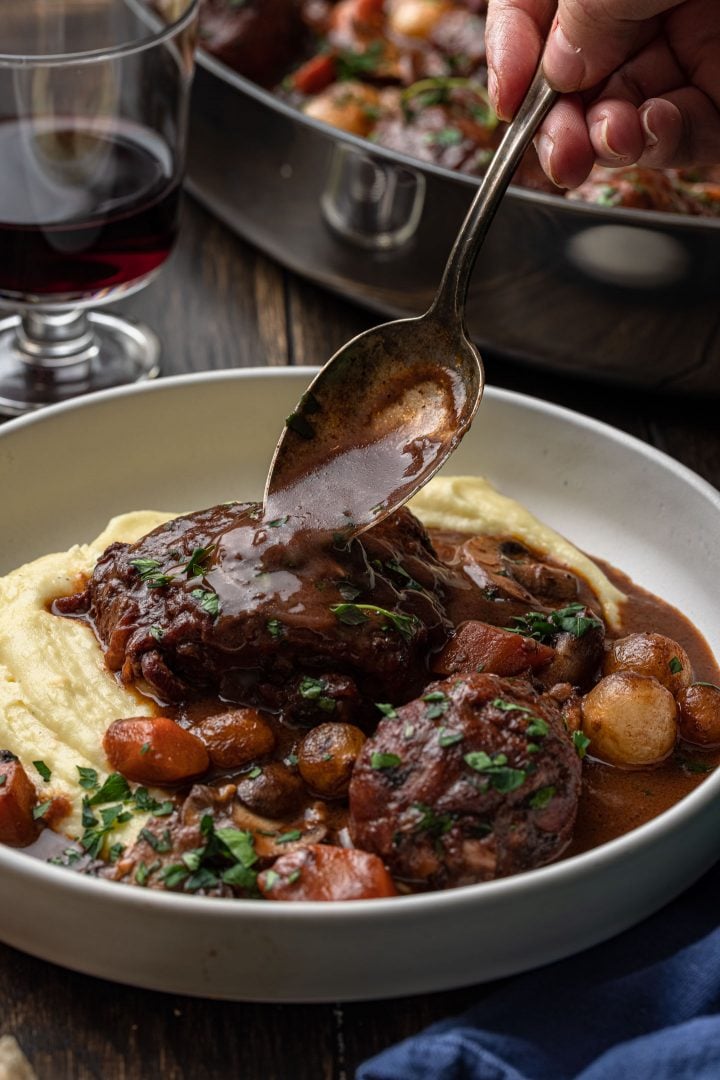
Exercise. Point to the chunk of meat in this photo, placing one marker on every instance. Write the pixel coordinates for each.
(476, 780)
(478, 646)
(258, 38)
(321, 872)
(220, 601)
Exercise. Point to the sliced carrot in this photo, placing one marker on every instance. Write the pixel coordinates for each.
(477, 646)
(322, 872)
(18, 798)
(154, 750)
(315, 75)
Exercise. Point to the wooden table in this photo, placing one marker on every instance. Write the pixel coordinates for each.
(220, 304)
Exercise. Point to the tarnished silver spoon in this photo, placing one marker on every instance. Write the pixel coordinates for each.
(393, 403)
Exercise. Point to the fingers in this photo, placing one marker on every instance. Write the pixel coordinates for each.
(680, 128)
(563, 144)
(591, 38)
(514, 36)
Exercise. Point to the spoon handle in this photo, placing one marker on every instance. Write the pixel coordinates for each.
(449, 302)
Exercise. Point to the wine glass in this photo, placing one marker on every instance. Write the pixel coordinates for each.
(93, 117)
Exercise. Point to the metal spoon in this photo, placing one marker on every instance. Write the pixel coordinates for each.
(393, 403)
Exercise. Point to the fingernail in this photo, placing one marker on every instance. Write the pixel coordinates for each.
(563, 62)
(492, 88)
(545, 147)
(651, 138)
(598, 134)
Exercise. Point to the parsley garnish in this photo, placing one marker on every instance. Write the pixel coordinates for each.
(350, 65)
(289, 837)
(432, 822)
(500, 775)
(277, 522)
(386, 710)
(199, 561)
(275, 628)
(543, 627)
(509, 706)
(314, 690)
(148, 571)
(384, 761)
(88, 778)
(43, 770)
(447, 136)
(542, 797)
(446, 737)
(228, 855)
(675, 665)
(580, 742)
(209, 601)
(115, 787)
(41, 809)
(355, 615)
(437, 704)
(157, 632)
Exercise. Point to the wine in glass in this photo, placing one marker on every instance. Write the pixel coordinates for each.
(93, 117)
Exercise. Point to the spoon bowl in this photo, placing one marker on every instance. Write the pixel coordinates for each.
(392, 404)
(376, 423)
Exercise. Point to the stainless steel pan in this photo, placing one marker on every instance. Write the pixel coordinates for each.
(624, 295)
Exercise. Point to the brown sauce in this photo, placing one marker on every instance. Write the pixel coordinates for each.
(613, 800)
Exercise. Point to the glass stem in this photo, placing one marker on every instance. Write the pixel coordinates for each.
(56, 339)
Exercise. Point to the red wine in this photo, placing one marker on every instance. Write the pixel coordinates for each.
(84, 205)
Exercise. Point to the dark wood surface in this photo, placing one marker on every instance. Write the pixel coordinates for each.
(220, 304)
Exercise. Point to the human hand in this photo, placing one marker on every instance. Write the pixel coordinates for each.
(640, 80)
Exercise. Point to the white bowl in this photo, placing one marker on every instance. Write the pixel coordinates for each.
(196, 440)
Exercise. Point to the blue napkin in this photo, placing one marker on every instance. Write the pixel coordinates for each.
(644, 1006)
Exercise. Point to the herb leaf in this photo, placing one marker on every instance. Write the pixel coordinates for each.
(355, 615)
(384, 761)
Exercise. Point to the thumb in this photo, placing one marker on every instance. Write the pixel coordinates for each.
(589, 39)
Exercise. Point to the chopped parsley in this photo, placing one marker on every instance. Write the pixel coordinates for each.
(447, 136)
(379, 760)
(43, 770)
(437, 704)
(157, 632)
(275, 628)
(289, 837)
(501, 776)
(542, 797)
(115, 787)
(41, 809)
(580, 742)
(226, 856)
(545, 626)
(161, 844)
(208, 600)
(509, 706)
(254, 773)
(276, 523)
(357, 614)
(88, 778)
(538, 727)
(148, 569)
(431, 822)
(386, 710)
(692, 765)
(314, 690)
(3, 779)
(199, 561)
(675, 665)
(348, 591)
(447, 737)
(350, 64)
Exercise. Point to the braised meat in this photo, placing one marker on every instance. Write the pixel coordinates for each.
(258, 38)
(221, 601)
(475, 780)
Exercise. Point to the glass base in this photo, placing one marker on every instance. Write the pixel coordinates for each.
(114, 352)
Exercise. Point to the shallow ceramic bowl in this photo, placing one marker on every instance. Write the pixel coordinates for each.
(193, 441)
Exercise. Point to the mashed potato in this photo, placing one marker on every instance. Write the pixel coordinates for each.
(57, 698)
